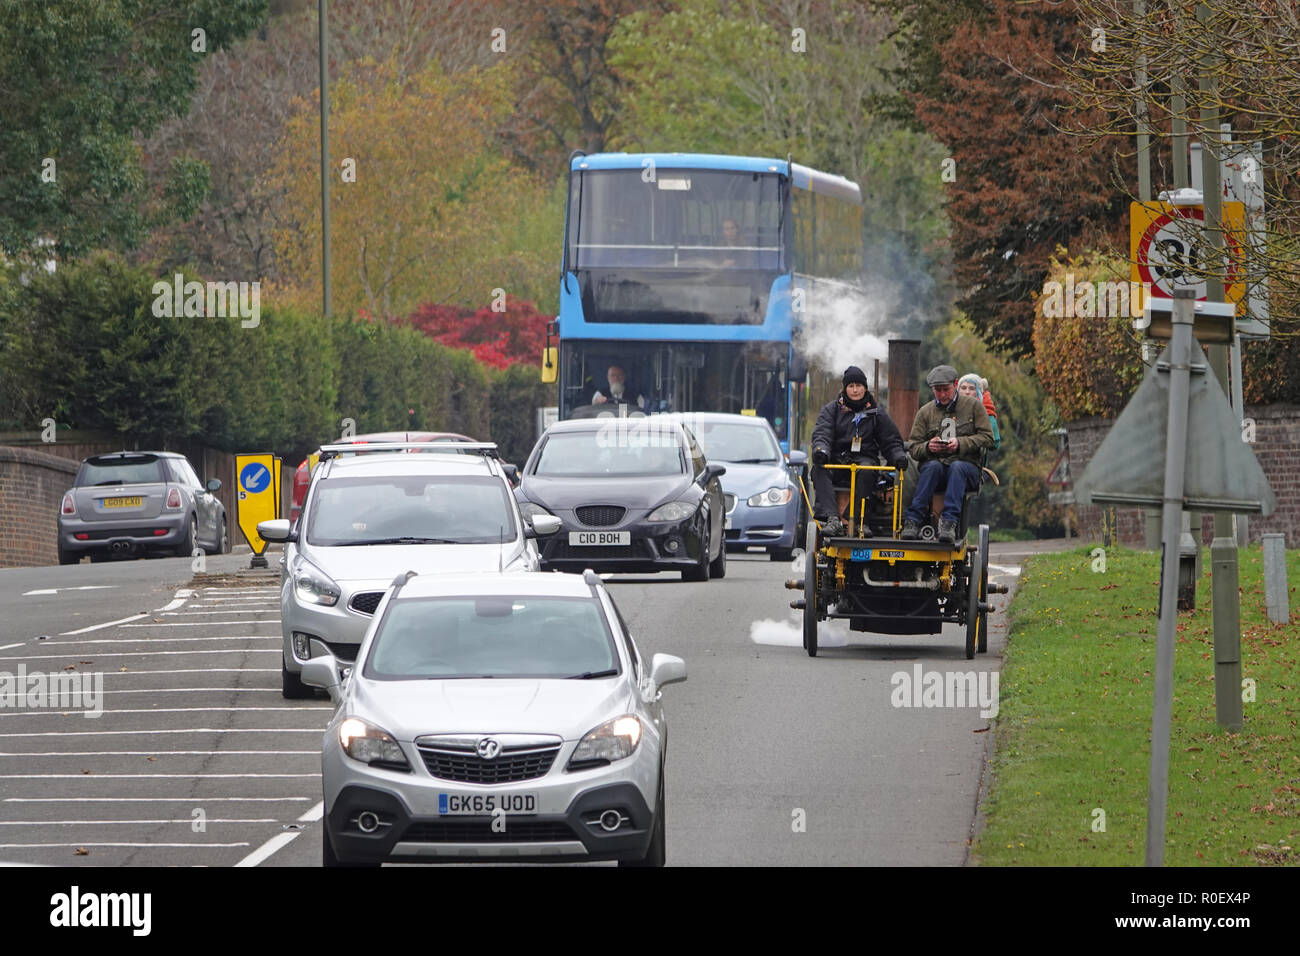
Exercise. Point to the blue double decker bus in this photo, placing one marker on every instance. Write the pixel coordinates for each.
(694, 274)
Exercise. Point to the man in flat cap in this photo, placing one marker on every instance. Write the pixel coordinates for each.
(949, 437)
(851, 429)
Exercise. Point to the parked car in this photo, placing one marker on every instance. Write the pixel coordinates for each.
(132, 503)
(370, 516)
(302, 474)
(632, 494)
(495, 718)
(765, 506)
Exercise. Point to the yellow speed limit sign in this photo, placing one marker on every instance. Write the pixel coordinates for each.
(257, 494)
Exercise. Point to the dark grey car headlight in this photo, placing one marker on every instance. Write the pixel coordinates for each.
(672, 511)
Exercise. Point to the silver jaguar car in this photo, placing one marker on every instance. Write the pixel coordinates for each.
(495, 717)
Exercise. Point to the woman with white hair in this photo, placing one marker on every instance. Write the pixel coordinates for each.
(976, 387)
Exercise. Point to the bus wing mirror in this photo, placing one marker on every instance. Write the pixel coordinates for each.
(550, 365)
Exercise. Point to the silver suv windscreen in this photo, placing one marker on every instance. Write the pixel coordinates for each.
(621, 446)
(497, 636)
(136, 470)
(409, 509)
(736, 443)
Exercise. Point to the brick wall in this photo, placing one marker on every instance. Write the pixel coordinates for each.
(32, 484)
(1276, 447)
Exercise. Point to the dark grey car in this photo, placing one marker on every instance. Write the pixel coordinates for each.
(132, 503)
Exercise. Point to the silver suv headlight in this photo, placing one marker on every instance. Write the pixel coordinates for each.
(771, 498)
(612, 740)
(672, 511)
(370, 745)
(314, 586)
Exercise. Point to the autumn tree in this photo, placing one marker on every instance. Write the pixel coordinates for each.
(78, 83)
(498, 338)
(425, 208)
(1019, 186)
(1237, 64)
(794, 78)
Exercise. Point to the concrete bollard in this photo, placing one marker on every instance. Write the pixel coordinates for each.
(1275, 595)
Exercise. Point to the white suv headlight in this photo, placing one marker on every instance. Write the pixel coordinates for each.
(612, 740)
(313, 585)
(370, 745)
(771, 498)
(672, 511)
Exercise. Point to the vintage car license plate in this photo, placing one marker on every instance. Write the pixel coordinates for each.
(600, 537)
(123, 502)
(860, 554)
(483, 804)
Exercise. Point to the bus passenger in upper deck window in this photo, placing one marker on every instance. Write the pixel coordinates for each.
(730, 238)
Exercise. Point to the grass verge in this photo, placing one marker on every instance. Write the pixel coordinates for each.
(1073, 732)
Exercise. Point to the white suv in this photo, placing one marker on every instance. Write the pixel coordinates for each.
(368, 517)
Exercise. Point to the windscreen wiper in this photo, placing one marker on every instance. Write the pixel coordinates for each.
(753, 461)
(588, 675)
(404, 540)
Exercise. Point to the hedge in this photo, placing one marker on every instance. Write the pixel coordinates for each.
(82, 345)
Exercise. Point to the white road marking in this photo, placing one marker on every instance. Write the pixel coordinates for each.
(108, 823)
(228, 650)
(79, 845)
(84, 587)
(201, 623)
(270, 847)
(215, 610)
(11, 646)
(183, 595)
(280, 841)
(100, 627)
(1005, 569)
(192, 690)
(152, 776)
(173, 730)
(236, 592)
(154, 799)
(171, 640)
(202, 670)
(159, 753)
(49, 712)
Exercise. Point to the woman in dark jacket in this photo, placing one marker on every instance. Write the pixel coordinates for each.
(851, 429)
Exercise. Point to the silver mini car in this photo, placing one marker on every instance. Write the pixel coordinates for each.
(495, 717)
(131, 503)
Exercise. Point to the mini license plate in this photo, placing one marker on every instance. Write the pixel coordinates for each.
(600, 537)
(485, 804)
(123, 502)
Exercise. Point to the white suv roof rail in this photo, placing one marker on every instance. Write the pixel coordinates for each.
(488, 448)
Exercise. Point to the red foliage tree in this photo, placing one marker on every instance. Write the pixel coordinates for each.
(1022, 187)
(497, 339)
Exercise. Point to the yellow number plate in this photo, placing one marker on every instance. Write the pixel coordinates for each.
(123, 502)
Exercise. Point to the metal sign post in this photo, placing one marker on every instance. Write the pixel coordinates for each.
(1180, 355)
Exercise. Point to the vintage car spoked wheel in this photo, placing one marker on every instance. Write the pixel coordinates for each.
(982, 645)
(976, 572)
(810, 590)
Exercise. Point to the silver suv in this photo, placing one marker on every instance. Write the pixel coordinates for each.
(370, 516)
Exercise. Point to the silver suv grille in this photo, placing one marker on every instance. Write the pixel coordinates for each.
(455, 757)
